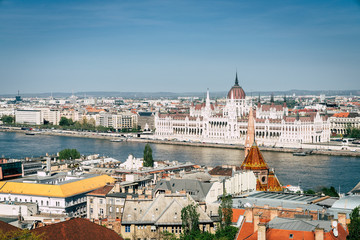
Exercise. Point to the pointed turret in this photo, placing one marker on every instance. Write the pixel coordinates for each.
(250, 135)
(284, 101)
(236, 80)
(272, 102)
(207, 98)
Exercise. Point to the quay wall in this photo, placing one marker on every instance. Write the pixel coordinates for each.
(316, 150)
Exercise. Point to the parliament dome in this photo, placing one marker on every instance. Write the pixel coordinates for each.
(236, 92)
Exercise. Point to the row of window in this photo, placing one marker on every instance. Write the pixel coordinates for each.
(41, 203)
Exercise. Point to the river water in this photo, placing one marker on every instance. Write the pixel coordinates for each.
(311, 171)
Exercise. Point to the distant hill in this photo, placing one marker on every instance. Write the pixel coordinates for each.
(157, 95)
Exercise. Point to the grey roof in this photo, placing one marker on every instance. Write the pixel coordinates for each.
(273, 199)
(197, 189)
(53, 178)
(348, 202)
(201, 176)
(356, 189)
(299, 224)
(164, 210)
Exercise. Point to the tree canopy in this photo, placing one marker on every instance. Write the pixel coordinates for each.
(69, 154)
(225, 211)
(330, 192)
(65, 121)
(148, 158)
(354, 226)
(352, 132)
(7, 119)
(190, 219)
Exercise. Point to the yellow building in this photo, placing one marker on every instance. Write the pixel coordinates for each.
(60, 193)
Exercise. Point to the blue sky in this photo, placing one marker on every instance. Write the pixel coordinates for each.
(178, 46)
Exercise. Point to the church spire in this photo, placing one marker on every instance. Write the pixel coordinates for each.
(272, 98)
(207, 102)
(250, 135)
(236, 80)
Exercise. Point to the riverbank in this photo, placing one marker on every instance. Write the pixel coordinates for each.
(110, 136)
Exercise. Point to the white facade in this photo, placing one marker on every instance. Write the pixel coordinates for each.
(50, 115)
(132, 163)
(340, 122)
(32, 117)
(273, 126)
(117, 121)
(239, 183)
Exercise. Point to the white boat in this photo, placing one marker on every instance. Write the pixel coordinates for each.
(116, 140)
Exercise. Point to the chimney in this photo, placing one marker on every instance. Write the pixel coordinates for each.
(116, 188)
(342, 219)
(273, 213)
(248, 214)
(262, 231)
(48, 164)
(256, 221)
(130, 190)
(319, 234)
(182, 192)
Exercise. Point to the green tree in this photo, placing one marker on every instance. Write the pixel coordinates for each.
(190, 219)
(148, 158)
(21, 235)
(227, 233)
(167, 235)
(330, 192)
(309, 191)
(225, 210)
(354, 226)
(352, 132)
(7, 119)
(69, 154)
(65, 121)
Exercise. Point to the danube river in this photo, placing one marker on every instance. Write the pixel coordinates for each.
(311, 171)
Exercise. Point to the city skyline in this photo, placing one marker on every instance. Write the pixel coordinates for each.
(154, 46)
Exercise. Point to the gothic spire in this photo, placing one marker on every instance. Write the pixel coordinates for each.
(272, 98)
(250, 134)
(236, 80)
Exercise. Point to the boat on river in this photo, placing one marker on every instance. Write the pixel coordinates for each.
(117, 140)
(302, 153)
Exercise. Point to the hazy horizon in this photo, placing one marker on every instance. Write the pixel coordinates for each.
(182, 46)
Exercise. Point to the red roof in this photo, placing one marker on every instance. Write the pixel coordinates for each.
(247, 231)
(220, 171)
(254, 160)
(77, 229)
(236, 214)
(102, 191)
(236, 92)
(5, 227)
(342, 114)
